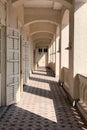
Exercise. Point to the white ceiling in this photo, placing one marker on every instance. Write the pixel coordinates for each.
(39, 4)
(57, 6)
(81, 1)
(43, 4)
(42, 16)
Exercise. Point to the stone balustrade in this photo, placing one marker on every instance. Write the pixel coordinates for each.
(66, 78)
(82, 88)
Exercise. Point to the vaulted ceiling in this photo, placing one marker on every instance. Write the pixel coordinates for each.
(42, 17)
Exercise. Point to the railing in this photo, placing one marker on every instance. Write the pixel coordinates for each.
(52, 66)
(66, 78)
(83, 89)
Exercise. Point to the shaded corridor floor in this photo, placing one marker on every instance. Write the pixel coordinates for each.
(43, 106)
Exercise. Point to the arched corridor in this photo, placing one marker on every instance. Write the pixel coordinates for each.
(43, 64)
(44, 106)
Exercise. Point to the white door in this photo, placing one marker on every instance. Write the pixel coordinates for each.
(12, 66)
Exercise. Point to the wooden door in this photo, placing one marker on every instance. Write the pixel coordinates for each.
(12, 66)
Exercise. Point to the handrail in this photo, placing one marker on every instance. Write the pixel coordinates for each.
(83, 89)
(66, 78)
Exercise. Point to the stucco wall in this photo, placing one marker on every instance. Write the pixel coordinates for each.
(80, 38)
(14, 15)
(64, 45)
(2, 13)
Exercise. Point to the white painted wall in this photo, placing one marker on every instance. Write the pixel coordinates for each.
(57, 57)
(64, 44)
(80, 38)
(2, 13)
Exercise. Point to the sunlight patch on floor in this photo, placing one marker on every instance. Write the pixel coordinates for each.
(41, 85)
(40, 106)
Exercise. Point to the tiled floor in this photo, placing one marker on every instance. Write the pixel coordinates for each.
(43, 106)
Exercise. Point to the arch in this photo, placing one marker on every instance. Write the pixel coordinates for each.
(65, 18)
(48, 15)
(66, 3)
(40, 45)
(42, 35)
(41, 38)
(41, 21)
(42, 27)
(41, 32)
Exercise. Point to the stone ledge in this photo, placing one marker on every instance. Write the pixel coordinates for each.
(71, 100)
(83, 109)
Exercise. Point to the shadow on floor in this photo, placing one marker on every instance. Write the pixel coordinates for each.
(68, 118)
(37, 91)
(39, 79)
(22, 117)
(16, 118)
(36, 73)
(46, 72)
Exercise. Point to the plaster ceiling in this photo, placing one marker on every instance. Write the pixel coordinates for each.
(81, 1)
(43, 4)
(42, 17)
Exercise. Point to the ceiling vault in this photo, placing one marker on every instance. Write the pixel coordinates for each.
(66, 3)
(43, 17)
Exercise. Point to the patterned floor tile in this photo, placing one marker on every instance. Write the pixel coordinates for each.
(43, 106)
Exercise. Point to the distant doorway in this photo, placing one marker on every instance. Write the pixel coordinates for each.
(42, 57)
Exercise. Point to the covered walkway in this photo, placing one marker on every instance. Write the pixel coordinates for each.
(44, 106)
(37, 36)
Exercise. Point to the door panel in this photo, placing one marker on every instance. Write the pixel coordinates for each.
(25, 61)
(12, 66)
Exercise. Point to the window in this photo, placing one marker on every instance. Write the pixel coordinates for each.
(40, 50)
(45, 50)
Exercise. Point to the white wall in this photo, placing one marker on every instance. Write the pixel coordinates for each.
(14, 15)
(57, 53)
(64, 45)
(2, 13)
(80, 38)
